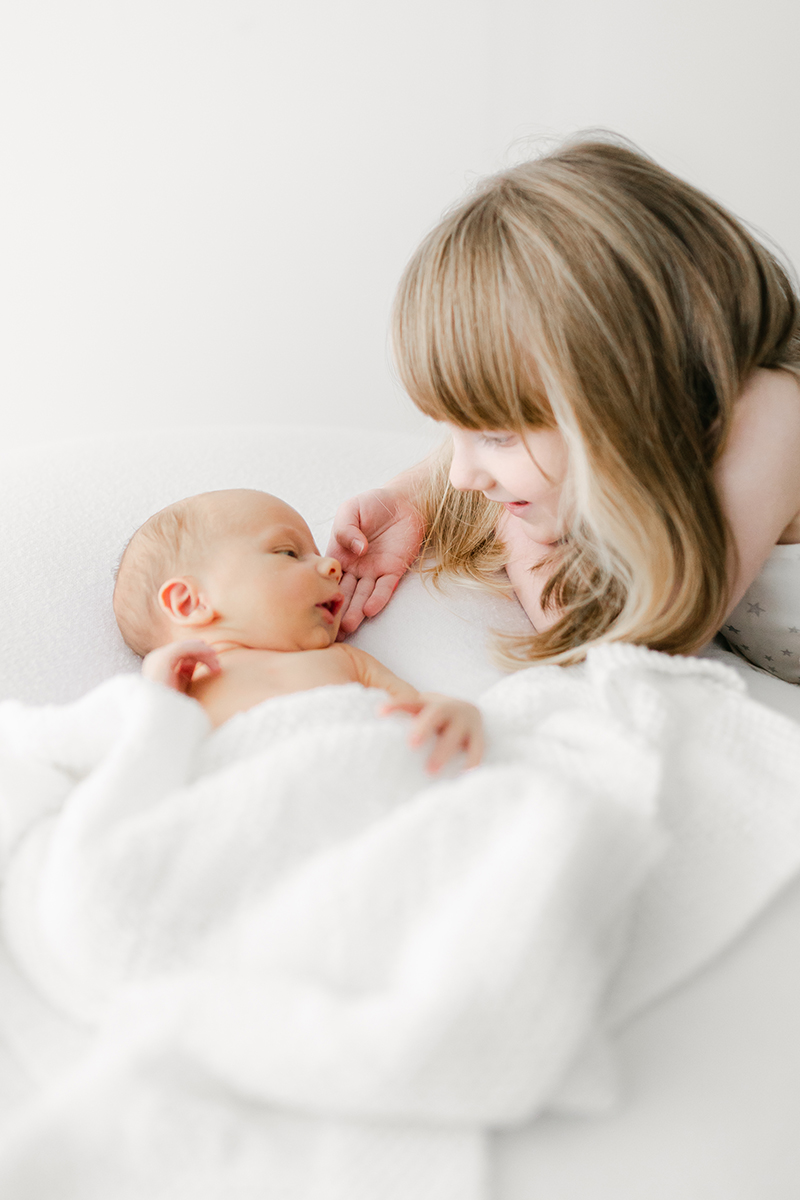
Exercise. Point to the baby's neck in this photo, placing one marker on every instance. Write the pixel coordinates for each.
(249, 676)
(228, 650)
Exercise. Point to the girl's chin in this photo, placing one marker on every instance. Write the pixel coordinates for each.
(542, 532)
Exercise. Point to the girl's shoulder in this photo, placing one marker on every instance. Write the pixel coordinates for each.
(758, 472)
(769, 398)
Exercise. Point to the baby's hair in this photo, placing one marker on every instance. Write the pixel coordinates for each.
(593, 291)
(156, 551)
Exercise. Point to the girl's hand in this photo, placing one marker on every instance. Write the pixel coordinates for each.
(174, 664)
(455, 724)
(376, 537)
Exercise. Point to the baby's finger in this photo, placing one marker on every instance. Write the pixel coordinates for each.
(381, 594)
(448, 743)
(431, 720)
(185, 665)
(407, 706)
(474, 746)
(199, 652)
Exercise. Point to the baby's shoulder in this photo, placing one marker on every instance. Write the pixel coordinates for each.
(341, 658)
(356, 660)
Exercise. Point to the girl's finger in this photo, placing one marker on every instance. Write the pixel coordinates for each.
(347, 539)
(355, 612)
(347, 587)
(381, 594)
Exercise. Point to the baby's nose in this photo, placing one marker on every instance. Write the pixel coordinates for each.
(331, 568)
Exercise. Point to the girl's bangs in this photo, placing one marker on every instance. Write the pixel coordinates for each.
(454, 348)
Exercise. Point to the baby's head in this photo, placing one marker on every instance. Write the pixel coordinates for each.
(238, 567)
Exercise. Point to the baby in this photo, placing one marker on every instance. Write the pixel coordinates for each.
(238, 572)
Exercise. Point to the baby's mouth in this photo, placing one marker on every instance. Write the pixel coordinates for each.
(333, 605)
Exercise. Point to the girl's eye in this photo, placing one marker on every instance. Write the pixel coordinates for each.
(497, 439)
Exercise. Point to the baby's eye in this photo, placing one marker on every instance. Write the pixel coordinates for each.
(286, 550)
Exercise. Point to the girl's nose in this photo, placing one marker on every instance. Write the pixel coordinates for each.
(466, 475)
(331, 568)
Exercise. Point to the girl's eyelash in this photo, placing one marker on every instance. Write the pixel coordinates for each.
(502, 440)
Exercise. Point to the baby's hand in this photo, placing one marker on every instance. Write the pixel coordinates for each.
(174, 664)
(455, 724)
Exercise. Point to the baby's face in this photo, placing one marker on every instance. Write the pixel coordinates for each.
(267, 579)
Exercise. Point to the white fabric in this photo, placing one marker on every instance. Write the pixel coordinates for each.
(765, 625)
(285, 918)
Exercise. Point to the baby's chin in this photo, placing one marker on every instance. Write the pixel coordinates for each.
(320, 638)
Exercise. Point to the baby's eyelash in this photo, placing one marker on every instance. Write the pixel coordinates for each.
(286, 550)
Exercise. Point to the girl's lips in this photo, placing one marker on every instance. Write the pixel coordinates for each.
(516, 506)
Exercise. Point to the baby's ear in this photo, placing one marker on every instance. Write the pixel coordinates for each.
(182, 602)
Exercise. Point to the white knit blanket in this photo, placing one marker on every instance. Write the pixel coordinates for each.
(294, 968)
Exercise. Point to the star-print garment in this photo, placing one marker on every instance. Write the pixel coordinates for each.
(765, 625)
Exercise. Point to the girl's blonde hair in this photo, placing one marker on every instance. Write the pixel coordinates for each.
(593, 291)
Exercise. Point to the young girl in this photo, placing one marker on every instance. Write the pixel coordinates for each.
(618, 364)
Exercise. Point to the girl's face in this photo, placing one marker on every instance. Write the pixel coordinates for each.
(523, 474)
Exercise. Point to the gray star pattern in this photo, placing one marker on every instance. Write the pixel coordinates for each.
(756, 609)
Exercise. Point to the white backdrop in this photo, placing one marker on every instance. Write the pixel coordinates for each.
(206, 204)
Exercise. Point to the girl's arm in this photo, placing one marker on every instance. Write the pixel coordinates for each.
(758, 474)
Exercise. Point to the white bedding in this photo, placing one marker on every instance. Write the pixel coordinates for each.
(288, 909)
(685, 1064)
